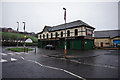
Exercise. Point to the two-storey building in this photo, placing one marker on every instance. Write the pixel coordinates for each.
(79, 35)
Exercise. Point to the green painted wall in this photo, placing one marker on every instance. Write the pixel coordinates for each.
(62, 44)
(75, 44)
(89, 44)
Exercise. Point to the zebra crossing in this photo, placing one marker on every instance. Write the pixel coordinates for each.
(12, 59)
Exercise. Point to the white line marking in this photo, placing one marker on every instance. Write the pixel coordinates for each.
(3, 60)
(22, 57)
(11, 53)
(73, 74)
(26, 53)
(53, 67)
(3, 54)
(35, 62)
(13, 59)
(17, 53)
(58, 69)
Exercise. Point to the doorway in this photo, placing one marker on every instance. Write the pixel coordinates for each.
(101, 44)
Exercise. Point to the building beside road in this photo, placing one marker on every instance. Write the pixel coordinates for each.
(107, 38)
(79, 35)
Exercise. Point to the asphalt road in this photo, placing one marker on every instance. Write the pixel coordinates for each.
(31, 65)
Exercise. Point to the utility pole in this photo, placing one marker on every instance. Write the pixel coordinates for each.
(17, 30)
(24, 35)
(65, 29)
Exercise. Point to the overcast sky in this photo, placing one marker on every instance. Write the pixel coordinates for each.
(101, 15)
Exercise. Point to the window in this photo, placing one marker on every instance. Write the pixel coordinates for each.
(47, 36)
(61, 34)
(68, 33)
(43, 36)
(56, 34)
(89, 33)
(51, 35)
(40, 36)
(76, 32)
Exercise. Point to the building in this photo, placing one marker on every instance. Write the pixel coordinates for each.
(9, 30)
(108, 38)
(28, 40)
(79, 35)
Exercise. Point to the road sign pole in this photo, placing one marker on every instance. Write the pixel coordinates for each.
(65, 30)
(17, 30)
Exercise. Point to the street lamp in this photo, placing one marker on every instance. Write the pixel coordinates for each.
(65, 28)
(17, 30)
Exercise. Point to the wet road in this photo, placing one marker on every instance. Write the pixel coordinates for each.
(31, 65)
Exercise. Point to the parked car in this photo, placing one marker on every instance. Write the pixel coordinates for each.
(49, 46)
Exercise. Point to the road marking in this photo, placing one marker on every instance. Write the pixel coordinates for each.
(11, 53)
(26, 53)
(3, 60)
(22, 57)
(35, 62)
(17, 53)
(3, 54)
(57, 69)
(13, 59)
(74, 74)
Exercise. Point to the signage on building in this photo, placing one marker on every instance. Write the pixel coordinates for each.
(89, 32)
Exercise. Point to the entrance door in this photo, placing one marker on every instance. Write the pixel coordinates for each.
(101, 44)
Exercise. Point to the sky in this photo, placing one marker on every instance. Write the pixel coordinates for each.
(100, 15)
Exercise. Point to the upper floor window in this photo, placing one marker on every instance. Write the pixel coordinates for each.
(40, 36)
(56, 34)
(89, 33)
(43, 36)
(68, 33)
(47, 36)
(61, 34)
(51, 35)
(76, 32)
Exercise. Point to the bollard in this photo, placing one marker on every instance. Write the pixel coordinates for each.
(35, 50)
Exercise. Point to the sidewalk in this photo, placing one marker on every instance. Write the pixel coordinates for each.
(76, 54)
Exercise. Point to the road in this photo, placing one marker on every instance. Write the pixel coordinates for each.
(39, 65)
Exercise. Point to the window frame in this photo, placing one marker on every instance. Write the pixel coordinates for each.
(68, 33)
(61, 33)
(76, 33)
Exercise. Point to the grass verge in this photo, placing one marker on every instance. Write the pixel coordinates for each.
(20, 49)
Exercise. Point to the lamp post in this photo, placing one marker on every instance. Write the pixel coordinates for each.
(24, 34)
(17, 30)
(65, 28)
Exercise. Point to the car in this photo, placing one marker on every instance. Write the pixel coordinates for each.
(49, 46)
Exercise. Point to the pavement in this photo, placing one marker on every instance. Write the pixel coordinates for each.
(76, 54)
